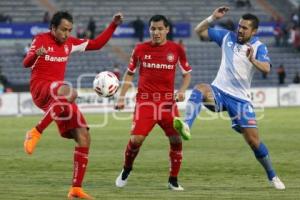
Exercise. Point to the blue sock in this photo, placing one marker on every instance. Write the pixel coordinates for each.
(193, 107)
(262, 156)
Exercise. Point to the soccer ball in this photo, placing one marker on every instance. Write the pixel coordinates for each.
(106, 84)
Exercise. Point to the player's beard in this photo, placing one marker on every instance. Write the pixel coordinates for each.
(241, 39)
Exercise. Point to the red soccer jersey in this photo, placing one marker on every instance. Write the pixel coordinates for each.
(157, 67)
(52, 65)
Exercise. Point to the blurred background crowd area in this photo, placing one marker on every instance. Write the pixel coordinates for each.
(20, 20)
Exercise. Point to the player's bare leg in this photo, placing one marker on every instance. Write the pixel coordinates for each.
(66, 95)
(82, 137)
(132, 150)
(262, 155)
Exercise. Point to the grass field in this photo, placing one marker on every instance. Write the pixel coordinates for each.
(217, 162)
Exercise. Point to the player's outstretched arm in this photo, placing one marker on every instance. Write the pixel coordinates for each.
(104, 37)
(202, 28)
(127, 83)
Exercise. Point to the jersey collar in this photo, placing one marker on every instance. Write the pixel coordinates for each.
(253, 39)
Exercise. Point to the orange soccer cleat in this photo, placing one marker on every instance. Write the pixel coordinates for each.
(32, 138)
(77, 192)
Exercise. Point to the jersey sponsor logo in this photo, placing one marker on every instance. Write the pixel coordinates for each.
(147, 57)
(55, 59)
(170, 57)
(157, 66)
(66, 49)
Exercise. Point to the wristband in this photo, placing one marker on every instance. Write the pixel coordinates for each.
(210, 19)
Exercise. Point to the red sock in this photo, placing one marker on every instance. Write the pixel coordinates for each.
(80, 164)
(131, 152)
(55, 110)
(175, 158)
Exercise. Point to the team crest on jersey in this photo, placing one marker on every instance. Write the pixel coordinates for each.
(170, 57)
(66, 49)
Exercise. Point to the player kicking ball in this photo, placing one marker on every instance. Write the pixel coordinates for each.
(47, 59)
(242, 54)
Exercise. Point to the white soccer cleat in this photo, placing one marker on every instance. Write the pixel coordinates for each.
(277, 183)
(175, 188)
(120, 182)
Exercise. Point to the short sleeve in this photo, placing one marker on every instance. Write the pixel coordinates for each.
(183, 63)
(133, 60)
(217, 35)
(262, 54)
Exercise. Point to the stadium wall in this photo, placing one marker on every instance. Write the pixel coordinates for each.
(89, 102)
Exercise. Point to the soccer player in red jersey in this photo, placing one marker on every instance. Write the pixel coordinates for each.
(156, 61)
(47, 59)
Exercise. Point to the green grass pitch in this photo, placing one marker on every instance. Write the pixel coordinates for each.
(217, 162)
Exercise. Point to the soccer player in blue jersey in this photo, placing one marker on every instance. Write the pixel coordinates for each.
(242, 54)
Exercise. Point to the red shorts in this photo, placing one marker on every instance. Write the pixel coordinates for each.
(149, 113)
(43, 94)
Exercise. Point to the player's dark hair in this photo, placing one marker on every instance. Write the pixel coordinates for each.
(254, 20)
(157, 18)
(58, 16)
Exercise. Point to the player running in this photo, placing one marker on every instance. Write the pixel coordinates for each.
(155, 103)
(242, 54)
(47, 58)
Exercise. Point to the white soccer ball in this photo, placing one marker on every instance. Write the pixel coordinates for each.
(106, 84)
